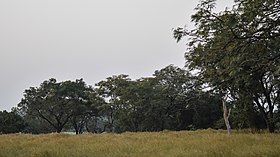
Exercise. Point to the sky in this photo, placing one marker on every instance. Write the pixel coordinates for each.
(89, 39)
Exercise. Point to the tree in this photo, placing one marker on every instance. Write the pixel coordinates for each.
(110, 90)
(171, 99)
(236, 51)
(83, 100)
(175, 83)
(57, 103)
(92, 116)
(11, 122)
(142, 106)
(206, 108)
(48, 103)
(246, 115)
(135, 102)
(226, 114)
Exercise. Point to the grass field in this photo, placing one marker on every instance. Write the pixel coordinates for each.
(204, 143)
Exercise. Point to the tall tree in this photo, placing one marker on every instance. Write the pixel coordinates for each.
(142, 106)
(170, 100)
(110, 89)
(48, 103)
(237, 51)
(175, 84)
(82, 98)
(57, 102)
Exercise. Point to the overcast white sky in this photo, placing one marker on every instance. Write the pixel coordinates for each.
(90, 39)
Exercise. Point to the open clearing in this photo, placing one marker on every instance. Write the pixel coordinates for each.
(203, 143)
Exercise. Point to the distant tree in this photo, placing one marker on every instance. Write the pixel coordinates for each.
(171, 99)
(83, 100)
(236, 51)
(140, 111)
(175, 83)
(58, 103)
(183, 99)
(48, 103)
(110, 90)
(93, 116)
(206, 107)
(11, 122)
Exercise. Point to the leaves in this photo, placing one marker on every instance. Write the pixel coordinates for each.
(57, 102)
(233, 49)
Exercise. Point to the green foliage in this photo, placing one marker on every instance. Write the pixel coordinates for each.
(236, 51)
(11, 122)
(36, 125)
(206, 108)
(170, 100)
(58, 103)
(84, 102)
(110, 90)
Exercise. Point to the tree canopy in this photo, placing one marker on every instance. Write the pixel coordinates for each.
(171, 99)
(58, 102)
(236, 51)
(11, 122)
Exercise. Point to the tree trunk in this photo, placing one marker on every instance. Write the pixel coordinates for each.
(268, 116)
(271, 128)
(81, 127)
(226, 115)
(59, 129)
(75, 127)
(270, 122)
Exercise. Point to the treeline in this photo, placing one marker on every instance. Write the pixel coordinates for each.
(172, 99)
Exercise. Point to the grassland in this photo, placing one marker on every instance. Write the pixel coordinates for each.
(204, 143)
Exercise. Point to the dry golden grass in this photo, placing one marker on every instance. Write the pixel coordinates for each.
(204, 143)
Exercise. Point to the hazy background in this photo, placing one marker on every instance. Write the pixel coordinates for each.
(90, 39)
